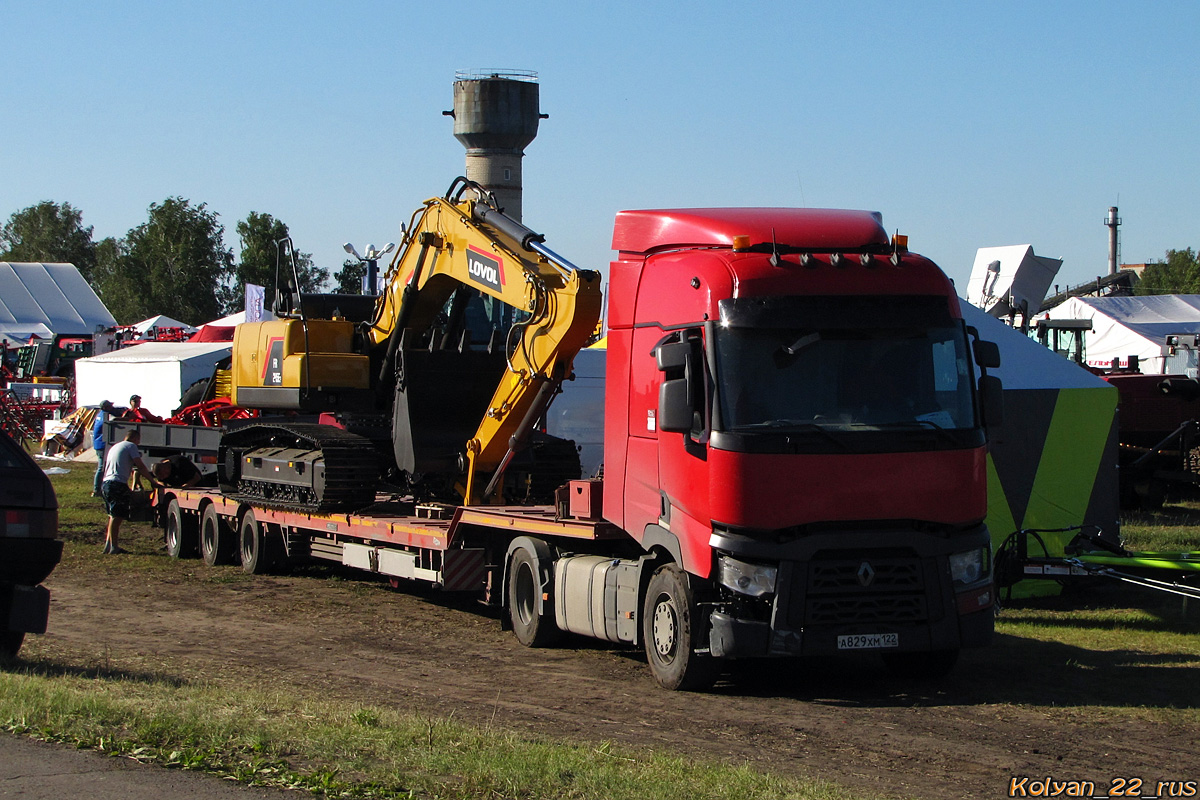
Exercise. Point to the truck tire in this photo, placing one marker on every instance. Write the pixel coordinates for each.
(10, 644)
(924, 666)
(180, 532)
(672, 631)
(216, 538)
(260, 547)
(533, 629)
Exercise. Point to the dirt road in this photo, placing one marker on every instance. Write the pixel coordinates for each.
(845, 722)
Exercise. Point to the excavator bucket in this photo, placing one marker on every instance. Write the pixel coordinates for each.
(440, 398)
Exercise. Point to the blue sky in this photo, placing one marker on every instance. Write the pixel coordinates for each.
(965, 124)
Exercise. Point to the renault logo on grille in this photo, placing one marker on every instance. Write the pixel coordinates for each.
(866, 574)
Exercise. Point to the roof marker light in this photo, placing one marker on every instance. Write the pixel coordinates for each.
(740, 243)
(899, 245)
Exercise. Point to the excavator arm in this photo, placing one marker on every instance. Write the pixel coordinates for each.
(459, 248)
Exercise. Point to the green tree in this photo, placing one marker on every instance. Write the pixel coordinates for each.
(51, 233)
(1179, 273)
(173, 264)
(260, 235)
(348, 279)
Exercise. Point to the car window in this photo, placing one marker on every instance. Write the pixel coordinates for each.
(11, 453)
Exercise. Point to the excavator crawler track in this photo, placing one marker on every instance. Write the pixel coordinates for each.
(298, 466)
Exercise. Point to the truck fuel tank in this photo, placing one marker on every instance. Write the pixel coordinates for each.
(597, 596)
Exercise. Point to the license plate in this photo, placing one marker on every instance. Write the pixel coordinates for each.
(869, 641)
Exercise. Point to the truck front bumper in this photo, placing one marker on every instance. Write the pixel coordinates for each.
(845, 594)
(733, 637)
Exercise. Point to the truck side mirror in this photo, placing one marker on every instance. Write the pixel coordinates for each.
(991, 400)
(671, 355)
(675, 395)
(674, 410)
(987, 354)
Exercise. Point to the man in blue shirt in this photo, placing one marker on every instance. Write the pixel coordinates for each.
(106, 408)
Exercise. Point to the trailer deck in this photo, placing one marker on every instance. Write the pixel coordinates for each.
(453, 547)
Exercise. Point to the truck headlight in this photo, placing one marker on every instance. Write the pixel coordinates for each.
(754, 580)
(969, 567)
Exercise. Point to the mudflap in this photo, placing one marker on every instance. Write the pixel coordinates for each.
(24, 608)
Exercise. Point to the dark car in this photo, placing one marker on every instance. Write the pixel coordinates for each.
(29, 550)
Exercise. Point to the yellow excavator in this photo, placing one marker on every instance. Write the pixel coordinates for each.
(435, 386)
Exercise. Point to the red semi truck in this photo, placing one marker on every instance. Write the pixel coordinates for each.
(794, 461)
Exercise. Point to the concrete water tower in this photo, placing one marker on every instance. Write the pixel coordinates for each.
(1113, 222)
(495, 116)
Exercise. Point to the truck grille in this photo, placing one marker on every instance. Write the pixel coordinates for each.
(866, 590)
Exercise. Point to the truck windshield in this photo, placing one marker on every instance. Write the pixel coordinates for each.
(862, 369)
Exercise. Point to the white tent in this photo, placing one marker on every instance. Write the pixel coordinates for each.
(158, 371)
(18, 333)
(46, 300)
(162, 321)
(1125, 326)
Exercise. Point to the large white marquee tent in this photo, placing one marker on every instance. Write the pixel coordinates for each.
(46, 300)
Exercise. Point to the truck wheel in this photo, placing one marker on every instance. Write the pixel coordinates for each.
(216, 539)
(524, 590)
(930, 665)
(180, 532)
(671, 632)
(10, 644)
(258, 545)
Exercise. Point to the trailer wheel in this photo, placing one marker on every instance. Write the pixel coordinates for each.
(180, 532)
(216, 538)
(672, 632)
(533, 629)
(259, 548)
(929, 665)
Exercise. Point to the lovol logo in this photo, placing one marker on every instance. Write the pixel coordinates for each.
(484, 269)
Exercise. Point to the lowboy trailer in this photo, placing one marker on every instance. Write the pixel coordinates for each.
(461, 548)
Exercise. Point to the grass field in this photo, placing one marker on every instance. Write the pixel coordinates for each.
(285, 737)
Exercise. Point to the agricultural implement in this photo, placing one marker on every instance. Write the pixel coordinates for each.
(1088, 555)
